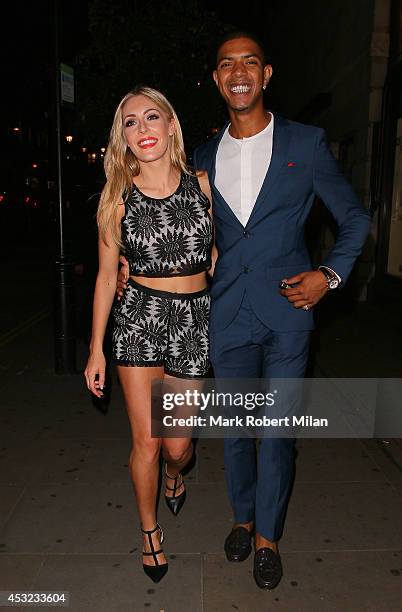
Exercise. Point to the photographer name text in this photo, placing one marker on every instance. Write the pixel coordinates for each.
(247, 421)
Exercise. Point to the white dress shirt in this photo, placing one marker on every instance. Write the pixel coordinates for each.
(241, 166)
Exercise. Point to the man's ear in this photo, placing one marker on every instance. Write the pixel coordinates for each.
(215, 77)
(267, 73)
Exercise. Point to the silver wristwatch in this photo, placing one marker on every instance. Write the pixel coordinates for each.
(332, 279)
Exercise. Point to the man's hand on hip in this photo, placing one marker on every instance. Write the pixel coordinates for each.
(122, 277)
(310, 288)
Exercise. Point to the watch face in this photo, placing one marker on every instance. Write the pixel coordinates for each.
(333, 283)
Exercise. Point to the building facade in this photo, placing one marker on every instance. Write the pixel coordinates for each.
(342, 70)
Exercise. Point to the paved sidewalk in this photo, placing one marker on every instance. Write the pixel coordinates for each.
(68, 519)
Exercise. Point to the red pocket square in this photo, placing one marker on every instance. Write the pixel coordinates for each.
(291, 164)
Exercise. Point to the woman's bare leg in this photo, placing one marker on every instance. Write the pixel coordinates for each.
(144, 458)
(177, 452)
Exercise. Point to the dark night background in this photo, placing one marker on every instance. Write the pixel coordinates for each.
(330, 64)
(112, 46)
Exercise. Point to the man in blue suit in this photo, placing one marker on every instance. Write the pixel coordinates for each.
(265, 172)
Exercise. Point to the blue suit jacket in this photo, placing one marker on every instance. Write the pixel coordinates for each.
(272, 245)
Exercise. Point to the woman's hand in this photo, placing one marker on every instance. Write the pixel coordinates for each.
(95, 373)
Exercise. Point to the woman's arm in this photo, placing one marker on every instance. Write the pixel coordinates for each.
(203, 180)
(105, 289)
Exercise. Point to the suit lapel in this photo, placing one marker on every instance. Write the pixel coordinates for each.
(280, 145)
(214, 153)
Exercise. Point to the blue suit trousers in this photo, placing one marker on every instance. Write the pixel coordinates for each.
(259, 481)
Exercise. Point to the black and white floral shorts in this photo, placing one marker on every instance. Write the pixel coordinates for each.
(159, 328)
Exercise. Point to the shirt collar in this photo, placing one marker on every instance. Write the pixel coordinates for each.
(266, 132)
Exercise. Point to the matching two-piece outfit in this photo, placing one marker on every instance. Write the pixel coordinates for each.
(165, 237)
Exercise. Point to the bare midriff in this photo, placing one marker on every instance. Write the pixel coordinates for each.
(174, 284)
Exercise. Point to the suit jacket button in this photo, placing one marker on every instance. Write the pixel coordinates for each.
(246, 234)
(246, 269)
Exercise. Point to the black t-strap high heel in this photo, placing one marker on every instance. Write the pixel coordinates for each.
(175, 502)
(157, 571)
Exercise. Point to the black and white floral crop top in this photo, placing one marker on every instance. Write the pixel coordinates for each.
(170, 236)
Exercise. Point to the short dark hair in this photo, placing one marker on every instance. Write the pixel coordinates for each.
(233, 34)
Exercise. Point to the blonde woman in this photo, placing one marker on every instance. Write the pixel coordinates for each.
(158, 213)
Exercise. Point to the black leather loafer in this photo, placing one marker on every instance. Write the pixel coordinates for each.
(267, 568)
(238, 544)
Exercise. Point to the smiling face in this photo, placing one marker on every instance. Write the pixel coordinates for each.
(147, 128)
(240, 74)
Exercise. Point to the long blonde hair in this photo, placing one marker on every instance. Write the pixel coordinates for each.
(121, 165)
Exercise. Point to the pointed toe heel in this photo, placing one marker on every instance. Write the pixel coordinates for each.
(175, 502)
(158, 571)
